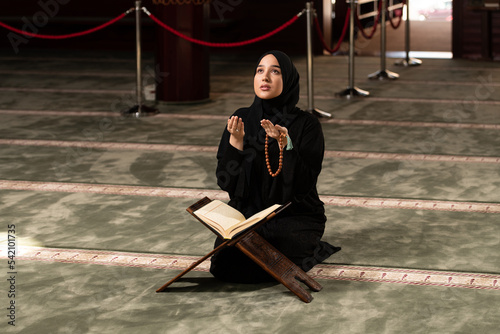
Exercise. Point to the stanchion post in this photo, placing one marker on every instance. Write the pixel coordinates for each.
(310, 80)
(139, 110)
(352, 90)
(408, 61)
(383, 73)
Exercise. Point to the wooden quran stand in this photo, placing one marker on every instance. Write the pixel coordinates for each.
(261, 252)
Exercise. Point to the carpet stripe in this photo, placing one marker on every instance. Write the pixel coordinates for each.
(343, 201)
(323, 271)
(483, 83)
(198, 148)
(110, 189)
(103, 114)
(414, 124)
(246, 95)
(70, 74)
(415, 100)
(66, 91)
(394, 203)
(219, 77)
(379, 99)
(411, 157)
(359, 122)
(109, 145)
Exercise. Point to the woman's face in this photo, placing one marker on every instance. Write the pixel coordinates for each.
(267, 82)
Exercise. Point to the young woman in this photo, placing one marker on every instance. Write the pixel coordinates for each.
(271, 153)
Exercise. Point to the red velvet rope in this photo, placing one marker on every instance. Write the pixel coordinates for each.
(395, 26)
(377, 19)
(67, 35)
(342, 35)
(375, 24)
(223, 45)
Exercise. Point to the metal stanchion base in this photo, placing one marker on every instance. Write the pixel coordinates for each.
(408, 62)
(353, 92)
(140, 111)
(319, 113)
(385, 74)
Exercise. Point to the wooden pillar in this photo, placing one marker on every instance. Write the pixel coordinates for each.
(182, 67)
(340, 9)
(475, 30)
(486, 32)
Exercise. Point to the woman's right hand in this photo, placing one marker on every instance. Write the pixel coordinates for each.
(236, 128)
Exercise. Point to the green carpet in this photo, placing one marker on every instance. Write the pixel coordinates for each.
(430, 136)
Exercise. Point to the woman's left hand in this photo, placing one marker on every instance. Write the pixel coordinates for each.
(273, 131)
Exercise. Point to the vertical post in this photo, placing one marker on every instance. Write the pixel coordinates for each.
(310, 80)
(309, 14)
(383, 35)
(352, 17)
(383, 73)
(408, 61)
(138, 53)
(352, 91)
(138, 110)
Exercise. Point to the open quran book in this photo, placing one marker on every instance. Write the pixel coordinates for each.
(239, 232)
(227, 221)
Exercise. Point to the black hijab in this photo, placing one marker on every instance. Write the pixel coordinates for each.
(280, 110)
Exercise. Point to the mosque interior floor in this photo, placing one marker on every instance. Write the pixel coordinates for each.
(96, 201)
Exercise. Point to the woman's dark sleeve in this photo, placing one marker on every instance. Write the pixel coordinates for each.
(230, 173)
(307, 156)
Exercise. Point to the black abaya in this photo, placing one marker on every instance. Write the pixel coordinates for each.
(297, 231)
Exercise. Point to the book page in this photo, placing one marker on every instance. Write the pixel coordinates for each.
(262, 214)
(220, 212)
(253, 219)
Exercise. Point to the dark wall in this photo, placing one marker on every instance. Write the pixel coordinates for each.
(250, 19)
(58, 17)
(476, 32)
(230, 21)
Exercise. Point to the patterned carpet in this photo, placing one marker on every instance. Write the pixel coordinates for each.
(93, 204)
